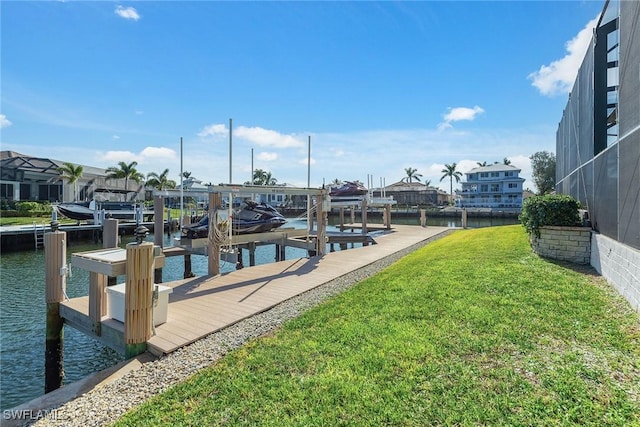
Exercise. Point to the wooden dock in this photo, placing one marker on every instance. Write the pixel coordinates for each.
(200, 306)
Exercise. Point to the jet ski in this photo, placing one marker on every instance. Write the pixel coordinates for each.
(348, 190)
(251, 218)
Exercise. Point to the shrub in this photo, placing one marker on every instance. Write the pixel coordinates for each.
(550, 209)
(27, 206)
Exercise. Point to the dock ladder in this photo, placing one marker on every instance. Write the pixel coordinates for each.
(38, 235)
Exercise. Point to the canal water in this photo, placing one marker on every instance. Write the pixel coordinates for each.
(23, 311)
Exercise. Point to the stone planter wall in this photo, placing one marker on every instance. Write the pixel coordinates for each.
(571, 244)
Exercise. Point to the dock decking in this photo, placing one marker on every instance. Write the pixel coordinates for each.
(202, 305)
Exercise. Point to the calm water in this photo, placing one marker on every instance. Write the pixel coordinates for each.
(23, 312)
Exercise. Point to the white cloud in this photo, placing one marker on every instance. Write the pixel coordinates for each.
(127, 13)
(213, 130)
(267, 157)
(115, 137)
(119, 156)
(457, 114)
(4, 122)
(158, 153)
(557, 78)
(267, 137)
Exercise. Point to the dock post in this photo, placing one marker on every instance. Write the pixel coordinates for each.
(364, 220)
(213, 261)
(252, 254)
(341, 219)
(138, 300)
(423, 217)
(188, 272)
(158, 231)
(321, 214)
(110, 240)
(464, 218)
(387, 211)
(55, 249)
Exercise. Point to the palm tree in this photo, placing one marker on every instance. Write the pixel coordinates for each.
(411, 175)
(261, 177)
(481, 164)
(160, 181)
(451, 172)
(126, 172)
(506, 161)
(185, 174)
(71, 173)
(427, 183)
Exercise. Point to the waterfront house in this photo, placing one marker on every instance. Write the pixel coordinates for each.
(495, 186)
(413, 194)
(24, 177)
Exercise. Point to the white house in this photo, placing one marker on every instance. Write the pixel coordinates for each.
(493, 186)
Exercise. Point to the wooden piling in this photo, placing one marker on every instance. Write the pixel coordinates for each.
(138, 304)
(55, 248)
(97, 300)
(109, 240)
(213, 262)
(252, 254)
(364, 220)
(464, 218)
(423, 217)
(387, 212)
(188, 271)
(321, 215)
(158, 224)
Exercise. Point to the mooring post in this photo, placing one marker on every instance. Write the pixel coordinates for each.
(213, 250)
(464, 218)
(187, 266)
(321, 214)
(252, 254)
(110, 240)
(138, 301)
(342, 219)
(423, 217)
(158, 228)
(364, 220)
(387, 211)
(55, 249)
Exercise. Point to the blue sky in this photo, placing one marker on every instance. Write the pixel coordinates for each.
(378, 86)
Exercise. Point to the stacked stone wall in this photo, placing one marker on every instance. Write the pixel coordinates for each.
(571, 244)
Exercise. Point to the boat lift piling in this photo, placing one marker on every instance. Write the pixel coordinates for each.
(55, 249)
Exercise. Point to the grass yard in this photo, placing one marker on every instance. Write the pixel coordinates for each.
(473, 329)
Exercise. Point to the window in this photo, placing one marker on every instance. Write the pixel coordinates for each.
(495, 174)
(509, 174)
(484, 188)
(484, 174)
(513, 185)
(495, 187)
(6, 191)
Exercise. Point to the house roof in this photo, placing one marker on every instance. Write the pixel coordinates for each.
(496, 167)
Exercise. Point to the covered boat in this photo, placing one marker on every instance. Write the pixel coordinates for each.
(348, 189)
(117, 210)
(251, 218)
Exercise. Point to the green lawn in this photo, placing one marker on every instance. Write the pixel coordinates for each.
(473, 329)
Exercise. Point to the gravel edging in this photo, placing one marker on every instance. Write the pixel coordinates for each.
(105, 404)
